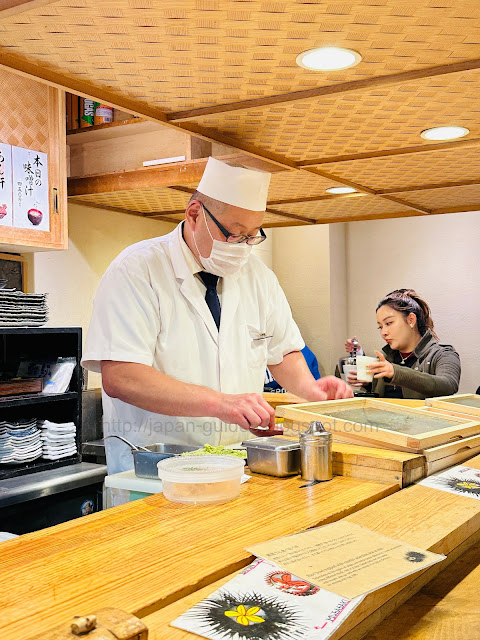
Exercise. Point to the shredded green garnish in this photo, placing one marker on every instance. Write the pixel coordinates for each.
(209, 449)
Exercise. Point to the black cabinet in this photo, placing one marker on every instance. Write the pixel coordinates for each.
(18, 344)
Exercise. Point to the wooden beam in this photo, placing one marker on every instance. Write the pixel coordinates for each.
(366, 190)
(343, 181)
(370, 216)
(17, 65)
(129, 212)
(94, 205)
(331, 196)
(161, 176)
(14, 7)
(385, 153)
(198, 148)
(341, 87)
(293, 216)
(431, 185)
(406, 203)
(169, 212)
(457, 209)
(279, 225)
(162, 218)
(209, 134)
(177, 187)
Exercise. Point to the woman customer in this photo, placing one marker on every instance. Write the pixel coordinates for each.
(413, 363)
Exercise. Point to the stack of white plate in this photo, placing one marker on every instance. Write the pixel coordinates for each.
(18, 309)
(19, 441)
(58, 439)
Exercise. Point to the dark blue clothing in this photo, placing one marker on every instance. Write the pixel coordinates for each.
(271, 385)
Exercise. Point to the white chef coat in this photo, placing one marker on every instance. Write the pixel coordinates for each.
(150, 309)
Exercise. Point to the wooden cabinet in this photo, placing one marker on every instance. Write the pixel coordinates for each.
(32, 115)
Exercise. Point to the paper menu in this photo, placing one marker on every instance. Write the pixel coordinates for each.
(345, 558)
(6, 197)
(267, 602)
(30, 189)
(460, 480)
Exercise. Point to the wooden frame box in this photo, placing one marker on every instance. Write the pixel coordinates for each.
(466, 403)
(434, 459)
(364, 420)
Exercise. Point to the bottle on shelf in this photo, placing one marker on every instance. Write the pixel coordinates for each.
(103, 114)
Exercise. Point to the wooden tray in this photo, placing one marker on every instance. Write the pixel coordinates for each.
(17, 387)
(364, 420)
(466, 403)
(277, 399)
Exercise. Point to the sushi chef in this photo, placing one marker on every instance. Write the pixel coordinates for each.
(184, 325)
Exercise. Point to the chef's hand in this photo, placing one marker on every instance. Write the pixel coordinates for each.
(352, 378)
(382, 368)
(349, 347)
(247, 410)
(329, 388)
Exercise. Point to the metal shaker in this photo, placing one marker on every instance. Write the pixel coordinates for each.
(316, 453)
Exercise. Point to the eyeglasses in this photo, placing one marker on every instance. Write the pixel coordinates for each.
(237, 238)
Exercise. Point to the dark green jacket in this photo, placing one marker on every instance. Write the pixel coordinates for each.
(435, 372)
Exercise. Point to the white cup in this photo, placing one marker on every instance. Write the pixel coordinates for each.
(362, 374)
(346, 370)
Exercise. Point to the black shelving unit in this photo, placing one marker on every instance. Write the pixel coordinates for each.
(48, 342)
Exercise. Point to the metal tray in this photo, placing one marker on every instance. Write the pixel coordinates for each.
(145, 458)
(273, 456)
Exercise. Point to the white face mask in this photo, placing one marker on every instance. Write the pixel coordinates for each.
(225, 258)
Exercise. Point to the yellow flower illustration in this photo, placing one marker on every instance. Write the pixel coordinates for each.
(245, 616)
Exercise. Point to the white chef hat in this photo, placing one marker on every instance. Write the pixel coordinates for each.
(244, 188)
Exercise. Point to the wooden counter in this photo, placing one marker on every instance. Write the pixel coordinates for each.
(435, 520)
(448, 608)
(149, 553)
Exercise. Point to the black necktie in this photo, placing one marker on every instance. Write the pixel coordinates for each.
(211, 297)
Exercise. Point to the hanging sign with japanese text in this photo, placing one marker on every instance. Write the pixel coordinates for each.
(6, 203)
(30, 189)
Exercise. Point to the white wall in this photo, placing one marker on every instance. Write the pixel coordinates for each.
(309, 263)
(71, 277)
(436, 255)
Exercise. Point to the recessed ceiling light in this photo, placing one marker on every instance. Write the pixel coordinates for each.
(337, 190)
(444, 133)
(328, 59)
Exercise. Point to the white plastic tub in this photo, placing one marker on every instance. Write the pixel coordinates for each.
(201, 479)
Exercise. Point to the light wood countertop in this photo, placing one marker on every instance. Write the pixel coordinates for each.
(146, 554)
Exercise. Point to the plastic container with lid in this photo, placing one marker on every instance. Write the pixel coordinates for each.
(201, 479)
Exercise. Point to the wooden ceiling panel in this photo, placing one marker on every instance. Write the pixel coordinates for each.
(140, 200)
(170, 61)
(448, 198)
(295, 184)
(362, 121)
(361, 207)
(286, 185)
(402, 172)
(179, 55)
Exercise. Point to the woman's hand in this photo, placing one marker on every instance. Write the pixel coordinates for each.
(350, 346)
(352, 379)
(382, 368)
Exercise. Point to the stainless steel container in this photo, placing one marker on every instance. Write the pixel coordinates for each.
(273, 456)
(316, 453)
(146, 461)
(145, 458)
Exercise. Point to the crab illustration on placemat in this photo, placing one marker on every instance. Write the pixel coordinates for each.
(284, 581)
